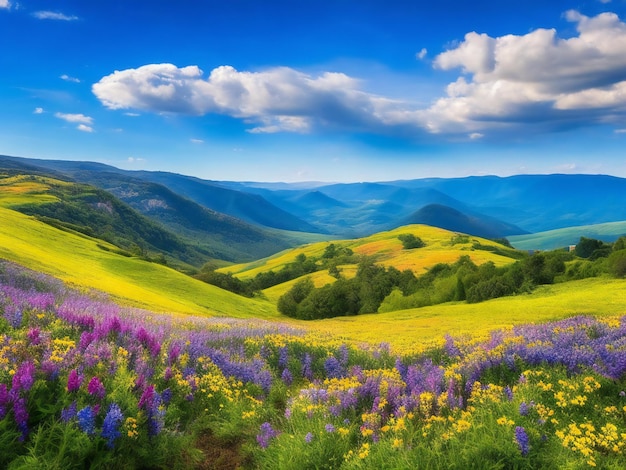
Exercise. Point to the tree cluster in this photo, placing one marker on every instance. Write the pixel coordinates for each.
(362, 294)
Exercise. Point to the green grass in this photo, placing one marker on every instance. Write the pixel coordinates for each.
(563, 237)
(406, 328)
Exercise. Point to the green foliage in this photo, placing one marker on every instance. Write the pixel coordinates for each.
(226, 281)
(591, 248)
(362, 294)
(616, 263)
(410, 241)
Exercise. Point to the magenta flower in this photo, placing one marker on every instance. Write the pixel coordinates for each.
(96, 389)
(74, 381)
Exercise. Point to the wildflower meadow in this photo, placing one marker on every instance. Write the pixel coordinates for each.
(86, 383)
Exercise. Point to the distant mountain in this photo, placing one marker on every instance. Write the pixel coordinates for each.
(448, 218)
(214, 235)
(515, 204)
(538, 202)
(238, 204)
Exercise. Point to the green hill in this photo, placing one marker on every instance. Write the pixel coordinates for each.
(91, 263)
(560, 238)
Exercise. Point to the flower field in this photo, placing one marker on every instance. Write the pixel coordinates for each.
(85, 383)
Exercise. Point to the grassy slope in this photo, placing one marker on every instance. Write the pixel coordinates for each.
(563, 237)
(388, 249)
(77, 259)
(406, 328)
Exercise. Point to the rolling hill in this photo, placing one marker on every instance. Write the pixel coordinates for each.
(564, 237)
(446, 217)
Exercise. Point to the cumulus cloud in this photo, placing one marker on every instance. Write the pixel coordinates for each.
(52, 15)
(536, 81)
(67, 78)
(38, 111)
(537, 77)
(5, 4)
(421, 54)
(84, 123)
(278, 99)
(75, 118)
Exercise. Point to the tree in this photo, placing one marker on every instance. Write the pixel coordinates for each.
(586, 247)
(410, 241)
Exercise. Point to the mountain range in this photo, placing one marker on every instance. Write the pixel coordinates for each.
(245, 220)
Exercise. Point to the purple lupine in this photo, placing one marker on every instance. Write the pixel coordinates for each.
(111, 423)
(74, 381)
(329, 428)
(96, 388)
(333, 368)
(523, 408)
(308, 438)
(69, 413)
(283, 356)
(523, 442)
(4, 400)
(21, 416)
(307, 367)
(286, 377)
(24, 377)
(508, 393)
(265, 435)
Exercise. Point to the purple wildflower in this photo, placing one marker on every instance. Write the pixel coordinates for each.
(265, 435)
(508, 393)
(96, 389)
(4, 400)
(307, 367)
(24, 377)
(522, 439)
(68, 413)
(33, 336)
(308, 438)
(111, 423)
(286, 377)
(329, 428)
(333, 368)
(523, 408)
(21, 416)
(73, 381)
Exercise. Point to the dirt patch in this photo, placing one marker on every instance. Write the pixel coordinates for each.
(219, 455)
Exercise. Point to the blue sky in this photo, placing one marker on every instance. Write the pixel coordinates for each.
(321, 90)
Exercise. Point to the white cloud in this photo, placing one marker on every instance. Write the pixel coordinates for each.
(476, 135)
(536, 78)
(84, 128)
(196, 141)
(421, 54)
(67, 78)
(279, 99)
(38, 111)
(5, 4)
(52, 15)
(75, 118)
(536, 81)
